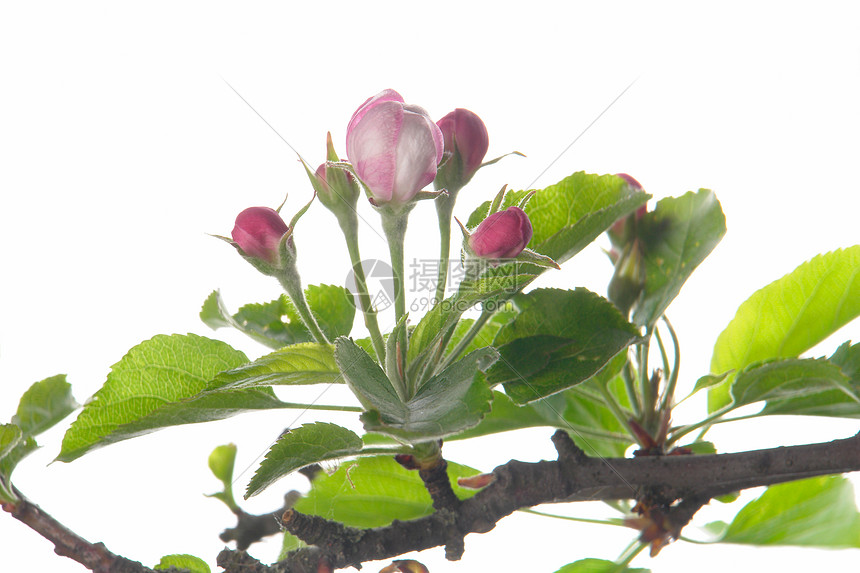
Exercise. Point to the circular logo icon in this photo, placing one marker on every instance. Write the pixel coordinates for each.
(380, 283)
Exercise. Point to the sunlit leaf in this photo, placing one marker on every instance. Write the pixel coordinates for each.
(159, 371)
(308, 444)
(560, 339)
(675, 238)
(789, 316)
(181, 561)
(374, 491)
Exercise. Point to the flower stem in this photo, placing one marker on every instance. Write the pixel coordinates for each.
(467, 338)
(444, 212)
(394, 225)
(349, 227)
(669, 391)
(290, 280)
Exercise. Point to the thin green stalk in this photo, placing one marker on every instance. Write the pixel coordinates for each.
(616, 409)
(614, 521)
(710, 420)
(350, 233)
(289, 279)
(629, 385)
(394, 225)
(648, 398)
(672, 382)
(630, 553)
(444, 212)
(467, 338)
(328, 407)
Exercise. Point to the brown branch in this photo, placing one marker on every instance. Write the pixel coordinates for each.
(93, 556)
(694, 479)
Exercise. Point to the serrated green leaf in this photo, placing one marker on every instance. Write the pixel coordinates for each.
(333, 307)
(374, 491)
(816, 512)
(277, 323)
(592, 565)
(560, 339)
(789, 316)
(786, 379)
(675, 238)
(44, 404)
(449, 402)
(162, 370)
(308, 444)
(263, 322)
(305, 363)
(365, 378)
(183, 561)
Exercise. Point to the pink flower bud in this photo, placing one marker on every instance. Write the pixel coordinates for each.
(394, 147)
(467, 140)
(623, 230)
(502, 235)
(258, 232)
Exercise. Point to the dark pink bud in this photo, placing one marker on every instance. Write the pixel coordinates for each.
(630, 180)
(467, 140)
(502, 235)
(258, 232)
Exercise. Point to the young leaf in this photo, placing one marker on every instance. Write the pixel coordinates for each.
(366, 379)
(560, 339)
(10, 438)
(334, 308)
(599, 566)
(297, 448)
(306, 363)
(816, 512)
(374, 491)
(44, 404)
(569, 215)
(675, 238)
(264, 322)
(161, 370)
(833, 403)
(182, 561)
(277, 323)
(793, 378)
(449, 402)
(789, 316)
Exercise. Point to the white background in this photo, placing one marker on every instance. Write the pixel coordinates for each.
(121, 147)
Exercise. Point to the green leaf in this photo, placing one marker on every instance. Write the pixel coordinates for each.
(263, 322)
(816, 512)
(277, 323)
(560, 339)
(159, 371)
(707, 381)
(449, 402)
(486, 334)
(333, 307)
(592, 565)
(789, 316)
(567, 216)
(181, 561)
(221, 462)
(675, 238)
(297, 448)
(10, 438)
(374, 491)
(305, 363)
(785, 379)
(834, 403)
(44, 404)
(365, 378)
